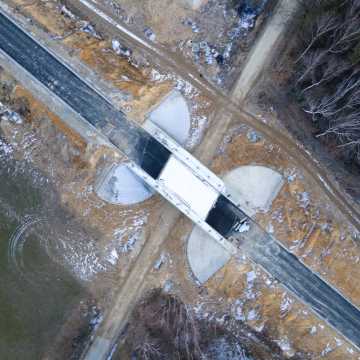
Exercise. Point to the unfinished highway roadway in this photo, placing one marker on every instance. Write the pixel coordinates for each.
(150, 156)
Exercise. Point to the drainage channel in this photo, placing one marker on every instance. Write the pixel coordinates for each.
(151, 155)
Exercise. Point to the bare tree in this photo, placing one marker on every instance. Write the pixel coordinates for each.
(328, 69)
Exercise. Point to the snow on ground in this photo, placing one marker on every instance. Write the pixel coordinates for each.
(285, 346)
(5, 149)
(221, 349)
(84, 257)
(197, 132)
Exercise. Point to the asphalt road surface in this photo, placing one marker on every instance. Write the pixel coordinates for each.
(307, 286)
(60, 80)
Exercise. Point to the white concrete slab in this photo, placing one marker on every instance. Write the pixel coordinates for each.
(119, 185)
(205, 255)
(185, 185)
(172, 116)
(254, 188)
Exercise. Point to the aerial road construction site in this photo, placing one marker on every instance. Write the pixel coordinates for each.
(164, 192)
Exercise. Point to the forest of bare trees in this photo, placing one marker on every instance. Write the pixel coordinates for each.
(328, 71)
(163, 327)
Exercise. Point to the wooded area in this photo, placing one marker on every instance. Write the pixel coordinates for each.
(163, 327)
(327, 77)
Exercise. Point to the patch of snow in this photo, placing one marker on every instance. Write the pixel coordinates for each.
(250, 277)
(285, 346)
(155, 75)
(130, 243)
(243, 227)
(338, 341)
(270, 228)
(120, 49)
(185, 87)
(221, 320)
(65, 11)
(253, 136)
(252, 315)
(278, 216)
(83, 258)
(239, 311)
(12, 117)
(249, 290)
(86, 27)
(113, 257)
(197, 132)
(285, 304)
(304, 199)
(313, 330)
(247, 21)
(168, 286)
(328, 348)
(162, 259)
(96, 321)
(149, 33)
(5, 148)
(291, 175)
(192, 24)
(222, 349)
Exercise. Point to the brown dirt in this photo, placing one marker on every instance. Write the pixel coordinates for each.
(172, 23)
